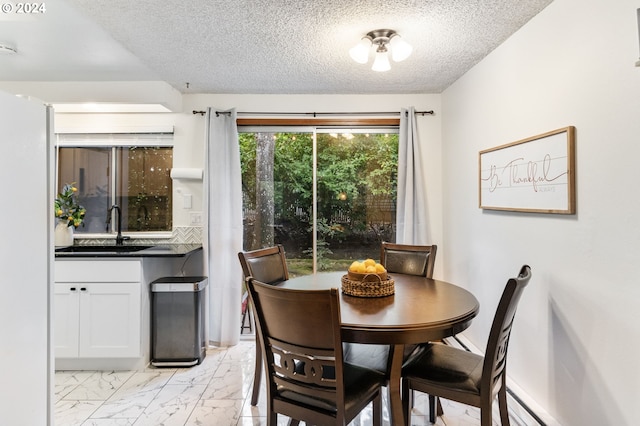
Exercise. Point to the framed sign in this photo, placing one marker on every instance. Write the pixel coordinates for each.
(536, 174)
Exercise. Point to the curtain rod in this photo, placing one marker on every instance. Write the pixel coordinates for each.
(314, 114)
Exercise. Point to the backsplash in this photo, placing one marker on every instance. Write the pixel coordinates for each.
(180, 235)
(187, 235)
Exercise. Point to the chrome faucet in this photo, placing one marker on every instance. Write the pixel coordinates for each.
(119, 238)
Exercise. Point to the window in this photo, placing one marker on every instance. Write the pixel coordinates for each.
(130, 170)
(327, 195)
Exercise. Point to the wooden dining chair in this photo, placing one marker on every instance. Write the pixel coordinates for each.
(268, 265)
(301, 338)
(245, 311)
(401, 259)
(455, 374)
(408, 259)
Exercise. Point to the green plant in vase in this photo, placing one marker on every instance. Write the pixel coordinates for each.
(66, 207)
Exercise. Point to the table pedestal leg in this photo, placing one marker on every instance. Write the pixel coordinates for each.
(395, 375)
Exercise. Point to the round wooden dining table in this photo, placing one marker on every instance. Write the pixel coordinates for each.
(421, 310)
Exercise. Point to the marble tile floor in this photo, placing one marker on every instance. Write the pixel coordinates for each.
(216, 393)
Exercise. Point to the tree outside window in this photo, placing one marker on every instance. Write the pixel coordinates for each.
(355, 195)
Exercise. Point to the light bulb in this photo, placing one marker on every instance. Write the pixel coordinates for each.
(360, 52)
(400, 49)
(381, 62)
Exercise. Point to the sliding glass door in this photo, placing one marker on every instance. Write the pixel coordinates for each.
(327, 195)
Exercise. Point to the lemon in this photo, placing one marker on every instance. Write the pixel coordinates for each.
(354, 266)
(369, 262)
(380, 268)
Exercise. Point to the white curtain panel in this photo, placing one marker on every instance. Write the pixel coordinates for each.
(411, 219)
(223, 234)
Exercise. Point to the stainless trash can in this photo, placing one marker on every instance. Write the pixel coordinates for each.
(177, 321)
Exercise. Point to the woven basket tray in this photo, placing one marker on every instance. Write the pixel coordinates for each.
(356, 276)
(366, 288)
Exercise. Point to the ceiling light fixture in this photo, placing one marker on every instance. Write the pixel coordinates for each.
(385, 41)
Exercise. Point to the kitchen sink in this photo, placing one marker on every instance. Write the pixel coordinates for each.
(101, 249)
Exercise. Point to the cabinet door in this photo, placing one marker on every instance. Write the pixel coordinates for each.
(110, 320)
(66, 320)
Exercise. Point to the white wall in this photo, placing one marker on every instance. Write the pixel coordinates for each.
(26, 262)
(576, 338)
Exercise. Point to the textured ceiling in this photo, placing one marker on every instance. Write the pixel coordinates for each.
(258, 46)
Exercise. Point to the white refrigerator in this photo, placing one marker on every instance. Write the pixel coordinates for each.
(26, 256)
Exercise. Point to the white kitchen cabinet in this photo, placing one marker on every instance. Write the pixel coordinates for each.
(98, 308)
(96, 320)
(66, 321)
(110, 320)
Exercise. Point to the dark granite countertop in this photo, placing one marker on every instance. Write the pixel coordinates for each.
(130, 250)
